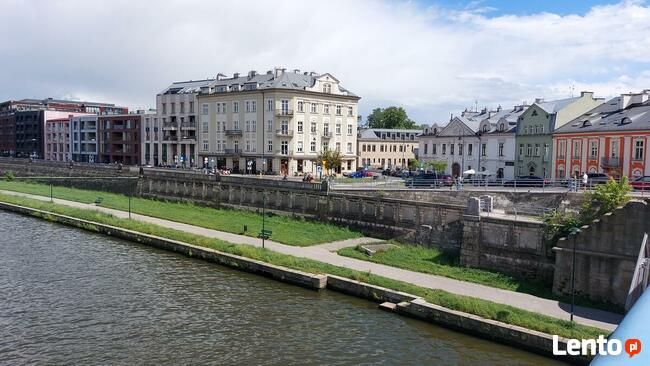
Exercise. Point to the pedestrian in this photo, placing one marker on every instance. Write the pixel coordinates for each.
(585, 180)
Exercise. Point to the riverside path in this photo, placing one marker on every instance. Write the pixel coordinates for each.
(583, 315)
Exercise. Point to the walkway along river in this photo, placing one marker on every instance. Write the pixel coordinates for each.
(74, 297)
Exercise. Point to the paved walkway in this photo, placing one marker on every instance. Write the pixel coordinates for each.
(322, 253)
(335, 246)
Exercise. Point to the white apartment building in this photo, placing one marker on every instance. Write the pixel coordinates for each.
(150, 133)
(482, 141)
(276, 122)
(83, 139)
(172, 138)
(387, 148)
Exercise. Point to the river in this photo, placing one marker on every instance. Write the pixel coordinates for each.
(73, 297)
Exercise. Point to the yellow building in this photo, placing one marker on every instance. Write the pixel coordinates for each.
(386, 148)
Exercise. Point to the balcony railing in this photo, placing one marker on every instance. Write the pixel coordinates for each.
(170, 125)
(282, 152)
(327, 134)
(188, 138)
(232, 151)
(284, 112)
(170, 138)
(188, 125)
(284, 132)
(233, 132)
(611, 162)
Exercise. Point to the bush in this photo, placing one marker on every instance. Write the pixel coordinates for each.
(9, 176)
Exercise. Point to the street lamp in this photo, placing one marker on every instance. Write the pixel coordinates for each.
(574, 233)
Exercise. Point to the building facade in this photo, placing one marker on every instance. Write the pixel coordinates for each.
(84, 139)
(276, 122)
(535, 128)
(149, 135)
(173, 131)
(386, 148)
(57, 139)
(612, 138)
(119, 139)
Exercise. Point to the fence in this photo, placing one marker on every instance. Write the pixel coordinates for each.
(641, 273)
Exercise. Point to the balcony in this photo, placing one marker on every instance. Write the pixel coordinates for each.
(170, 126)
(235, 152)
(284, 112)
(188, 138)
(284, 133)
(233, 132)
(282, 152)
(188, 125)
(170, 138)
(611, 162)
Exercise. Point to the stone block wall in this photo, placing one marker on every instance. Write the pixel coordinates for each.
(606, 253)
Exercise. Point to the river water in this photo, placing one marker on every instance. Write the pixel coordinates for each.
(72, 297)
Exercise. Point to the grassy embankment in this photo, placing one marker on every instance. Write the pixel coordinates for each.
(434, 261)
(287, 230)
(483, 308)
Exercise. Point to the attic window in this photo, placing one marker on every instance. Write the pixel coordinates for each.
(534, 113)
(485, 128)
(626, 120)
(586, 123)
(502, 127)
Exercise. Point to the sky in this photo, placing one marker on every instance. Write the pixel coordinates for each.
(432, 57)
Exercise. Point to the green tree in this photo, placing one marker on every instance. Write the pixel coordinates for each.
(437, 165)
(332, 158)
(391, 117)
(414, 164)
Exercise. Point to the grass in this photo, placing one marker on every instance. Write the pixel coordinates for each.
(287, 230)
(435, 262)
(482, 308)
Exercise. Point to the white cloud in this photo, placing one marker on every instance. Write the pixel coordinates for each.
(434, 61)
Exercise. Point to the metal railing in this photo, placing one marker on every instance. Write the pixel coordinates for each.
(641, 274)
(610, 162)
(284, 132)
(283, 112)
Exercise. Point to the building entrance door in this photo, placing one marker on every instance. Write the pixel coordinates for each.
(455, 170)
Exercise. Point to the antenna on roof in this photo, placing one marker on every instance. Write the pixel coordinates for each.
(572, 88)
(475, 105)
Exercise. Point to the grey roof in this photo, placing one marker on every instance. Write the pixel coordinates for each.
(610, 117)
(284, 80)
(509, 117)
(375, 133)
(190, 86)
(555, 106)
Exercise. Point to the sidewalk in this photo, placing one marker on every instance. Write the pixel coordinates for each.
(587, 316)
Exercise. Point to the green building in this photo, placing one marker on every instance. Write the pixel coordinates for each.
(535, 127)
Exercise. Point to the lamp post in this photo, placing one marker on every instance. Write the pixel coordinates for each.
(574, 234)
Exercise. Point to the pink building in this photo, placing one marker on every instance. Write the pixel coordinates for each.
(56, 137)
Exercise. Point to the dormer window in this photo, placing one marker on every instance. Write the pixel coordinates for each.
(327, 88)
(586, 123)
(502, 127)
(626, 120)
(485, 128)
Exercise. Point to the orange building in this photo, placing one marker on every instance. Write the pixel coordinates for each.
(612, 138)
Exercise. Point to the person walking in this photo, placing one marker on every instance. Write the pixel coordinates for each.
(585, 180)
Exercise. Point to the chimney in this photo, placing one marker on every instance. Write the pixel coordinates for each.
(539, 100)
(235, 75)
(296, 71)
(252, 73)
(269, 72)
(313, 73)
(586, 94)
(220, 76)
(278, 71)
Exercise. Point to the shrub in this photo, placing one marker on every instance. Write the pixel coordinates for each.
(9, 176)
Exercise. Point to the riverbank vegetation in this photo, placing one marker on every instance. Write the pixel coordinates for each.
(482, 308)
(286, 230)
(435, 262)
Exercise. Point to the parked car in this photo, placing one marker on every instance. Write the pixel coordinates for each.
(526, 181)
(358, 174)
(597, 178)
(430, 180)
(641, 183)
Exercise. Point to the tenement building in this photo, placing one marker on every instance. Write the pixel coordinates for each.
(386, 148)
(173, 139)
(535, 127)
(119, 138)
(612, 138)
(57, 139)
(276, 122)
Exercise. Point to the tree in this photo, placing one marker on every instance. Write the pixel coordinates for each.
(391, 117)
(413, 164)
(332, 158)
(437, 165)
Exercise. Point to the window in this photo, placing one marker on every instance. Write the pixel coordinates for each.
(173, 108)
(502, 127)
(349, 130)
(314, 107)
(164, 108)
(638, 149)
(191, 107)
(338, 128)
(338, 146)
(529, 150)
(300, 126)
(204, 109)
(363, 147)
(546, 151)
(526, 130)
(500, 148)
(235, 107)
(248, 106)
(326, 128)
(269, 145)
(433, 149)
(269, 104)
(460, 149)
(576, 149)
(204, 127)
(284, 147)
(451, 149)
(350, 112)
(593, 149)
(536, 129)
(327, 88)
(253, 106)
(312, 146)
(269, 126)
(349, 148)
(561, 149)
(536, 149)
(426, 146)
(483, 149)
(338, 110)
(444, 149)
(182, 108)
(218, 108)
(326, 145)
(312, 128)
(485, 128)
(205, 145)
(326, 108)
(301, 106)
(469, 149)
(299, 146)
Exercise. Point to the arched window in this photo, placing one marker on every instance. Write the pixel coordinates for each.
(502, 127)
(637, 173)
(485, 128)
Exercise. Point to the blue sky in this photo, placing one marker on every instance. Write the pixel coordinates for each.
(525, 7)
